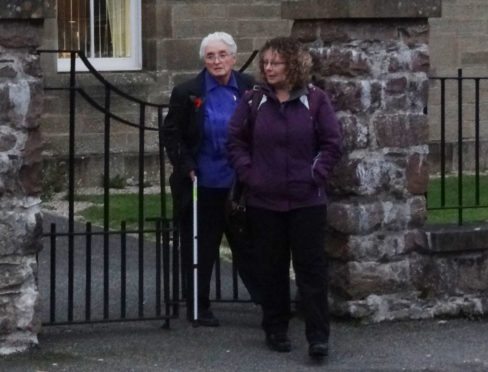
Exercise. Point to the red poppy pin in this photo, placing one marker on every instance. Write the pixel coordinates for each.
(197, 102)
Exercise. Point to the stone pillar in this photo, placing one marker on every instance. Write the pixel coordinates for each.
(372, 57)
(20, 166)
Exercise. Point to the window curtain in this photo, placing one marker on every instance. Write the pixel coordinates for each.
(119, 22)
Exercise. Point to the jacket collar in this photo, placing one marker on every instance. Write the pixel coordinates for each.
(198, 89)
(294, 94)
(297, 93)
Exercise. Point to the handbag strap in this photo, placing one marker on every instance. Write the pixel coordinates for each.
(257, 96)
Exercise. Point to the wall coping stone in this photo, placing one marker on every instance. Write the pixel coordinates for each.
(22, 9)
(340, 9)
(446, 239)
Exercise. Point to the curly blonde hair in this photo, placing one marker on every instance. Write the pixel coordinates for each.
(298, 60)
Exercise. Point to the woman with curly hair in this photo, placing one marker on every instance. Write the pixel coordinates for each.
(284, 140)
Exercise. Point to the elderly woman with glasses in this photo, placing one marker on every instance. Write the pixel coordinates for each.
(195, 137)
(284, 141)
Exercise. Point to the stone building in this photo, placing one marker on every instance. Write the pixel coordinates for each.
(170, 32)
(458, 40)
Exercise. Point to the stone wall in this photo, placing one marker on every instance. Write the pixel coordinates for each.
(374, 65)
(451, 271)
(20, 153)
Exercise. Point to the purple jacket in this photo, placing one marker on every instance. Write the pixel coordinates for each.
(286, 157)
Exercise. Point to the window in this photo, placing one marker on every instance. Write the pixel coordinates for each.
(108, 31)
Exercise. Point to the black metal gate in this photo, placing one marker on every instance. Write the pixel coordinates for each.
(90, 274)
(101, 274)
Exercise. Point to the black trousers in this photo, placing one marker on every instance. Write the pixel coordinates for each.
(212, 226)
(298, 234)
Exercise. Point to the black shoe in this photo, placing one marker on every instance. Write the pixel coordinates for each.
(318, 350)
(278, 342)
(207, 319)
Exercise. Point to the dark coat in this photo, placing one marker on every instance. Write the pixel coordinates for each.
(182, 133)
(288, 158)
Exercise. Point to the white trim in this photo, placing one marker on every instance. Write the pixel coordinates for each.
(304, 100)
(263, 101)
(116, 64)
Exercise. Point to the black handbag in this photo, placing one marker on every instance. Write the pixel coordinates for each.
(235, 209)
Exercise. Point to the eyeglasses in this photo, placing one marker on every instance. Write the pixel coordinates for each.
(214, 57)
(273, 64)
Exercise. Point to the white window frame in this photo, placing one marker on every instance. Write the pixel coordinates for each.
(114, 64)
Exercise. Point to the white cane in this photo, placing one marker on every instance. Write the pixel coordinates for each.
(195, 253)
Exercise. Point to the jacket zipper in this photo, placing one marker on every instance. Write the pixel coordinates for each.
(287, 144)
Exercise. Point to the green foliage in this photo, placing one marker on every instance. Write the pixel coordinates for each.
(124, 207)
(471, 214)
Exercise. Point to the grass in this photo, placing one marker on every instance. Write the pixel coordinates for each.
(446, 216)
(123, 207)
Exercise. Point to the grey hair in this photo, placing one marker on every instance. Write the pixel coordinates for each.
(218, 36)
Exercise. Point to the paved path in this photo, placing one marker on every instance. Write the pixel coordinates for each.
(238, 345)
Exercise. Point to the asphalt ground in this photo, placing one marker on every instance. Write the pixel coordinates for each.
(238, 345)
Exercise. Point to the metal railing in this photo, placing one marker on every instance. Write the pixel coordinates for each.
(166, 255)
(98, 274)
(461, 126)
